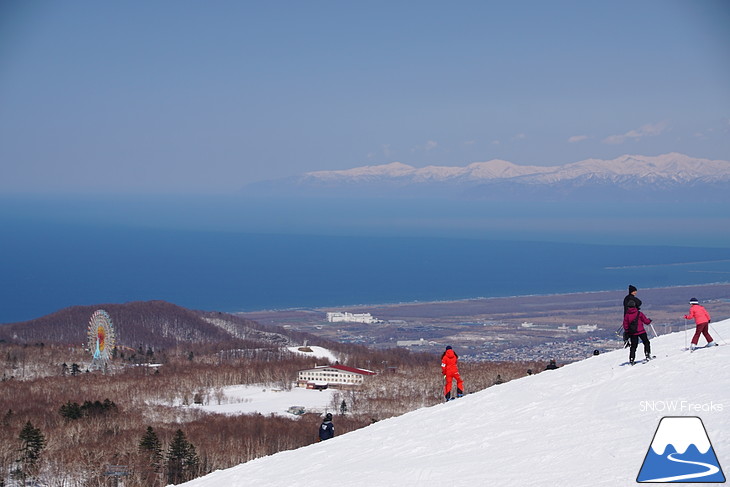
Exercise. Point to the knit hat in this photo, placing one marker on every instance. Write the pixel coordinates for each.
(694, 301)
(632, 289)
(448, 347)
(328, 417)
(631, 304)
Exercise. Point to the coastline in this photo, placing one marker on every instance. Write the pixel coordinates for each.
(671, 296)
(541, 327)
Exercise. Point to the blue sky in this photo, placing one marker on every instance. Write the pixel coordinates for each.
(204, 97)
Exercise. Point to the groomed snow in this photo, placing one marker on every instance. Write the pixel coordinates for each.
(586, 424)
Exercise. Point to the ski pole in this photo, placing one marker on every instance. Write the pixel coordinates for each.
(716, 333)
(685, 334)
(652, 329)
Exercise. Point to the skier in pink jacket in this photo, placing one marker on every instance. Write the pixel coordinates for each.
(634, 321)
(702, 320)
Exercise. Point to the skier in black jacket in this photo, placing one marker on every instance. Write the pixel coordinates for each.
(326, 429)
(631, 297)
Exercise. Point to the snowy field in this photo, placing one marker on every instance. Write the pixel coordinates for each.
(586, 424)
(250, 399)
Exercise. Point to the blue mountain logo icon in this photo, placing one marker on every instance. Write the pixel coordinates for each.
(681, 452)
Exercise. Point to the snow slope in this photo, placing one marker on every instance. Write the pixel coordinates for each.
(586, 424)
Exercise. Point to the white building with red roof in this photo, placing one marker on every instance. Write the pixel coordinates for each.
(321, 377)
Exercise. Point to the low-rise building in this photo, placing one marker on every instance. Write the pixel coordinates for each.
(337, 317)
(412, 343)
(332, 376)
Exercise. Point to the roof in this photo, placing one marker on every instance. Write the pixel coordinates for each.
(352, 369)
(343, 368)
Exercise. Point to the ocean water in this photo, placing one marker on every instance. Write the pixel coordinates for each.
(44, 268)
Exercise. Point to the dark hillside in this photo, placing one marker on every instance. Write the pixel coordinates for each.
(149, 323)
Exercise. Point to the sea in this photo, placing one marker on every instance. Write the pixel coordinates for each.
(44, 268)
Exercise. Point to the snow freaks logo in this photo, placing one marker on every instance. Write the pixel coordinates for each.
(680, 452)
(680, 407)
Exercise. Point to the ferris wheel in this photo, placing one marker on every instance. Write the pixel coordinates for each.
(101, 339)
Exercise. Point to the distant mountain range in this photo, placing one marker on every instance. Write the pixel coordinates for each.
(670, 176)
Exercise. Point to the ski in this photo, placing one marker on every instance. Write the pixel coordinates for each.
(700, 348)
(643, 361)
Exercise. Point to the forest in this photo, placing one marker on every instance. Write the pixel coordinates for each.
(63, 425)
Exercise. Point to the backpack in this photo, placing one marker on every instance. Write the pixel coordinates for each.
(634, 324)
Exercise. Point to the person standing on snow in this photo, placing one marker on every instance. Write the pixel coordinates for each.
(702, 321)
(326, 429)
(634, 321)
(631, 297)
(450, 371)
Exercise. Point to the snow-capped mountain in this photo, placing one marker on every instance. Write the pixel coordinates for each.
(590, 423)
(670, 176)
(671, 167)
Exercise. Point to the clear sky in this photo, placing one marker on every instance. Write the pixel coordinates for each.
(198, 97)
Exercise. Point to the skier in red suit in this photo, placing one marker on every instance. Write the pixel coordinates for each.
(450, 371)
(702, 320)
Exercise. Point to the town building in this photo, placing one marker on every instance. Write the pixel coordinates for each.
(413, 343)
(339, 376)
(337, 317)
